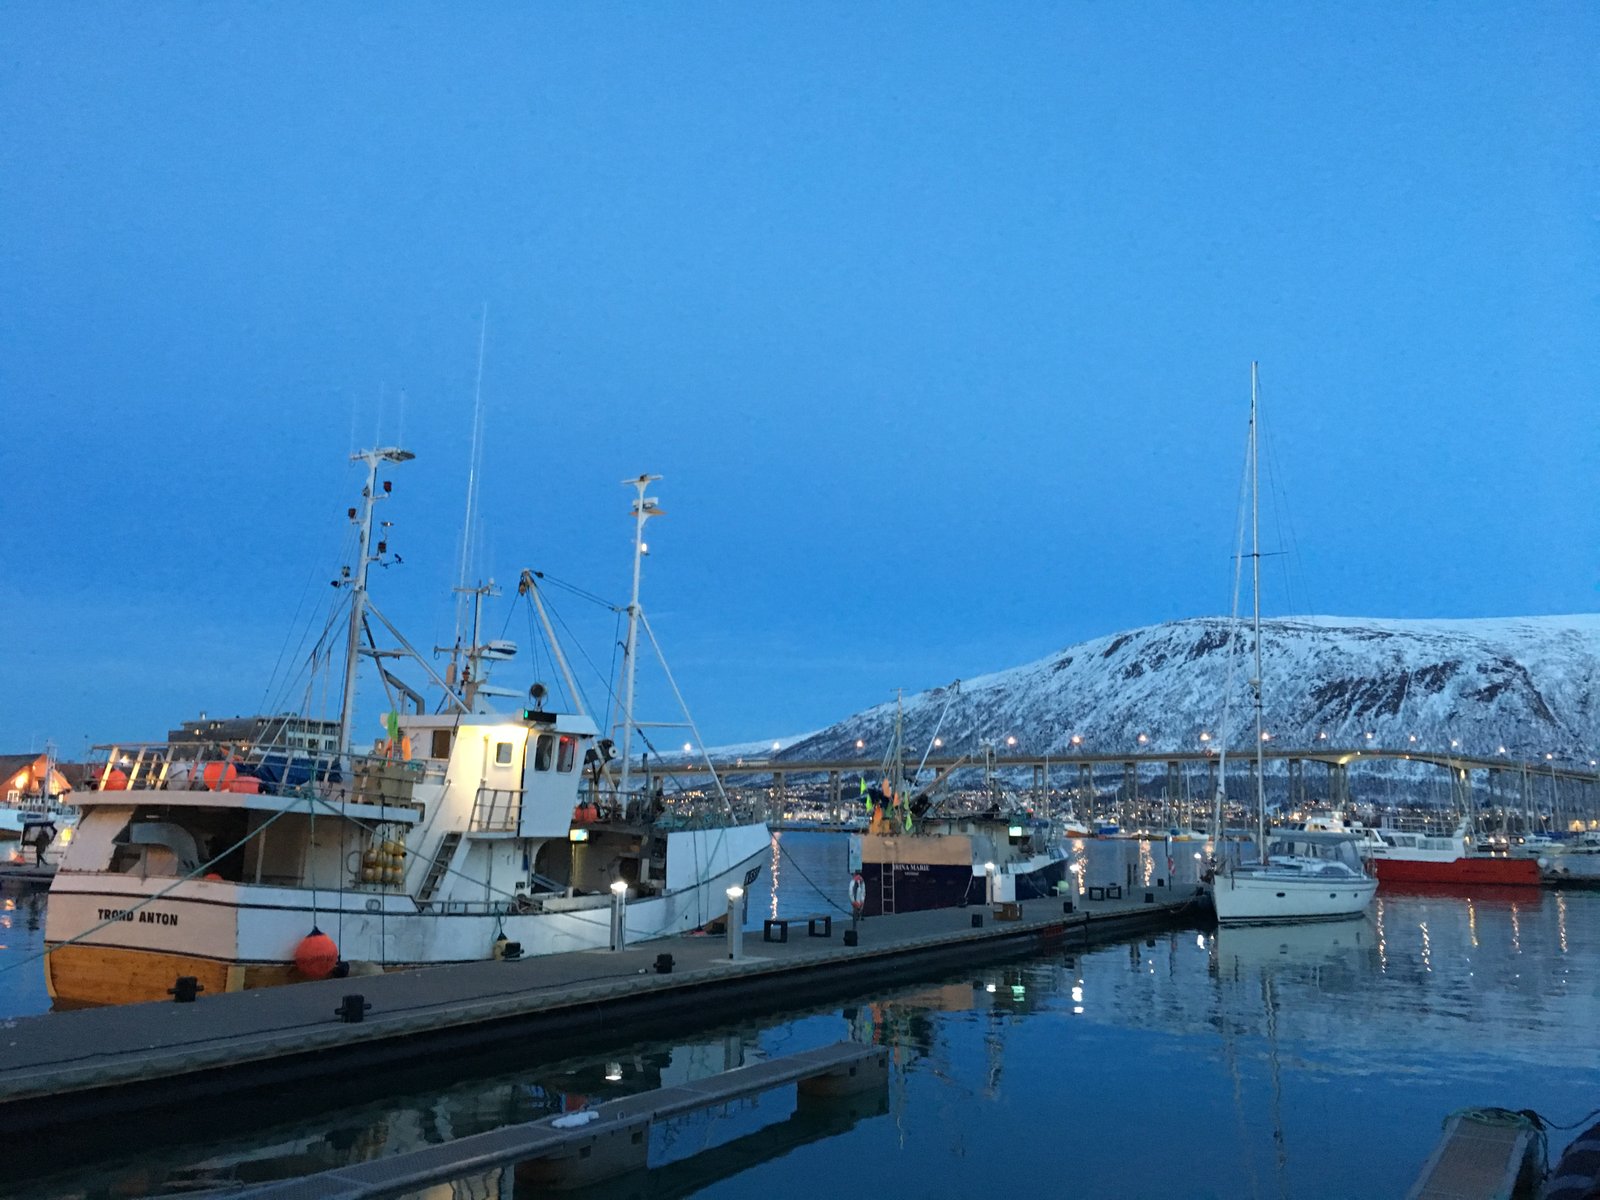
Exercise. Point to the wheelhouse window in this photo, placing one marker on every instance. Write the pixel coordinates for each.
(502, 753)
(567, 754)
(441, 743)
(544, 752)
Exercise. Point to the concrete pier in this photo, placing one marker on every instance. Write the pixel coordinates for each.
(60, 1069)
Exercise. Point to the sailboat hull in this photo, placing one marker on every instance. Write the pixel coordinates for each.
(1260, 898)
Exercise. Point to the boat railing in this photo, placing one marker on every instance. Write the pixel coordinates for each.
(268, 770)
(496, 810)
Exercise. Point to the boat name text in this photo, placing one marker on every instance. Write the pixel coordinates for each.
(143, 916)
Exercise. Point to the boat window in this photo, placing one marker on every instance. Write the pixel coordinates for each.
(502, 753)
(544, 752)
(568, 754)
(441, 743)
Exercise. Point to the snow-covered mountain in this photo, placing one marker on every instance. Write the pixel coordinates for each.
(1524, 683)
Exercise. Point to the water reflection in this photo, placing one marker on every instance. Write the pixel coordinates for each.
(1314, 1061)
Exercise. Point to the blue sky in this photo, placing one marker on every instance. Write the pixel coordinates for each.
(936, 319)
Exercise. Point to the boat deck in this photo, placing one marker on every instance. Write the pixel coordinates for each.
(136, 1058)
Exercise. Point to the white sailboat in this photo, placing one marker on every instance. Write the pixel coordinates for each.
(1298, 875)
(467, 835)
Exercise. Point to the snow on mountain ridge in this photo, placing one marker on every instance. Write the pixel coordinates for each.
(1519, 682)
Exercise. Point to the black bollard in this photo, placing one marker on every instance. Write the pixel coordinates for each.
(663, 964)
(1066, 906)
(184, 990)
(511, 951)
(850, 937)
(977, 920)
(353, 1010)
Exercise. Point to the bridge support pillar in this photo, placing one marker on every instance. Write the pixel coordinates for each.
(1085, 792)
(835, 796)
(1038, 787)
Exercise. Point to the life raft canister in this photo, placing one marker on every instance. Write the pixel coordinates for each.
(858, 892)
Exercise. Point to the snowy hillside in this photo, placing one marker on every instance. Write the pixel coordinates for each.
(1523, 683)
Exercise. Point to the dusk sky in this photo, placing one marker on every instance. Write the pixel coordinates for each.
(936, 319)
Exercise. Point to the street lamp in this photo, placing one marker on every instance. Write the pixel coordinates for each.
(619, 914)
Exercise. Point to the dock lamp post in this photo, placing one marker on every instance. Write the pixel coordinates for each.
(988, 884)
(619, 914)
(735, 924)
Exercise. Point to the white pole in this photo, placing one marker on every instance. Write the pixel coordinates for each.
(358, 600)
(619, 914)
(643, 509)
(735, 923)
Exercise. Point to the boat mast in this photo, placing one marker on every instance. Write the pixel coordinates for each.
(644, 507)
(1255, 587)
(358, 584)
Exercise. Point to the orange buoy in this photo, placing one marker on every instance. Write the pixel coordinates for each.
(116, 780)
(316, 955)
(212, 875)
(217, 774)
(245, 785)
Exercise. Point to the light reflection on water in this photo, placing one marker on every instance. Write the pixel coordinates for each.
(1314, 1061)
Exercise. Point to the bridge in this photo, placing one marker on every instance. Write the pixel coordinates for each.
(1502, 782)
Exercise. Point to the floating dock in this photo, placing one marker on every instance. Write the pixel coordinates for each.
(60, 1070)
(598, 1144)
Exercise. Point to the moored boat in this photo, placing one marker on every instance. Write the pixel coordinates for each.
(467, 835)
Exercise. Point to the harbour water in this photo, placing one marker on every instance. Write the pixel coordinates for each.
(1313, 1061)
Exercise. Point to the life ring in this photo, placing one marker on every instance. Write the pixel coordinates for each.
(858, 892)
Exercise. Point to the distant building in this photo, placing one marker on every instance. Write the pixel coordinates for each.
(242, 734)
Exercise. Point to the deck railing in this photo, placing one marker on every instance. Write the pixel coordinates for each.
(496, 810)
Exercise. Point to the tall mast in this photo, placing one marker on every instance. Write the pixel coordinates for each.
(644, 507)
(358, 584)
(1255, 587)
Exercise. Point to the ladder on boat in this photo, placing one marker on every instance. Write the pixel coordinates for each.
(442, 858)
(886, 889)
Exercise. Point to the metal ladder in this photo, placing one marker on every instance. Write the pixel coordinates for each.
(442, 857)
(886, 888)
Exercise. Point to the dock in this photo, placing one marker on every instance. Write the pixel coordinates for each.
(1483, 1154)
(609, 1140)
(137, 1062)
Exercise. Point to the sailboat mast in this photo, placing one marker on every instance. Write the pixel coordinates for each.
(644, 507)
(1255, 587)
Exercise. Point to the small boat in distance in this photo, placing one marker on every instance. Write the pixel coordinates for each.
(466, 835)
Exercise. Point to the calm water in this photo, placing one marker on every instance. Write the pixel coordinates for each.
(1312, 1062)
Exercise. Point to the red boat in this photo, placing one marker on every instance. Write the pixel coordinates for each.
(1408, 857)
(1400, 855)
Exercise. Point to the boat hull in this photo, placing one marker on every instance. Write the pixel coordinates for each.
(902, 887)
(1249, 899)
(118, 939)
(1498, 872)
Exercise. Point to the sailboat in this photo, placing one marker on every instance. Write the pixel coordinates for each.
(1299, 874)
(465, 835)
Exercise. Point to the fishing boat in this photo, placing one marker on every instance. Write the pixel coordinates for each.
(1298, 874)
(465, 835)
(917, 855)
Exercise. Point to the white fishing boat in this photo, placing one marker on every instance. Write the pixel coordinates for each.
(1299, 875)
(467, 835)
